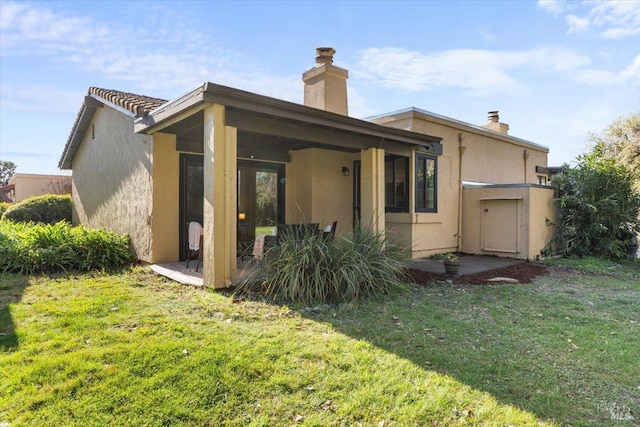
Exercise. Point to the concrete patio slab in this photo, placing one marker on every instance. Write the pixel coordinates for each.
(179, 272)
(469, 264)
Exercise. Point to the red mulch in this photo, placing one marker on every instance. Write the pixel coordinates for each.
(524, 273)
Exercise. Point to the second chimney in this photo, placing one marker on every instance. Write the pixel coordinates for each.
(325, 85)
(494, 123)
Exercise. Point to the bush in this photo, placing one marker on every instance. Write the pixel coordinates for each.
(315, 270)
(3, 207)
(598, 209)
(29, 248)
(47, 209)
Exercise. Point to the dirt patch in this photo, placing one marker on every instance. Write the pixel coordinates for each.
(524, 273)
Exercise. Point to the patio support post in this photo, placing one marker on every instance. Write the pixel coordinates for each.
(220, 204)
(372, 188)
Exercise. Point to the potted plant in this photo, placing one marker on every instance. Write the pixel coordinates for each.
(451, 263)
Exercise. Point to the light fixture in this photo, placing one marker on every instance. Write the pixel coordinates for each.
(345, 171)
(242, 216)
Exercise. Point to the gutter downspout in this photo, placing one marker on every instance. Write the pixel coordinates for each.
(461, 150)
(525, 156)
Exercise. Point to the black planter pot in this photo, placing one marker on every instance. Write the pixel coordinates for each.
(451, 267)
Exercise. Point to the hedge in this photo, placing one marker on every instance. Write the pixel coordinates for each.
(47, 209)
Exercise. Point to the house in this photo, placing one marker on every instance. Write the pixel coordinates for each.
(146, 167)
(21, 186)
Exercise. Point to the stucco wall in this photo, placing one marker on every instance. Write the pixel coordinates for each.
(490, 157)
(522, 227)
(166, 205)
(430, 232)
(316, 189)
(542, 207)
(29, 185)
(111, 180)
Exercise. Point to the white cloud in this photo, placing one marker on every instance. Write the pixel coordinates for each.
(629, 75)
(479, 72)
(612, 19)
(166, 63)
(577, 24)
(27, 28)
(555, 7)
(40, 99)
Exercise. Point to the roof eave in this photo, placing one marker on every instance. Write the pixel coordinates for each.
(79, 129)
(211, 93)
(469, 127)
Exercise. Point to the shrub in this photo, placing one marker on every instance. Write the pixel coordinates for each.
(29, 248)
(3, 207)
(598, 209)
(315, 269)
(47, 209)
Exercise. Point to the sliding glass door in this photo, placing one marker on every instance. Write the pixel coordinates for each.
(191, 196)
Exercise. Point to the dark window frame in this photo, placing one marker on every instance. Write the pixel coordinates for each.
(424, 158)
(392, 206)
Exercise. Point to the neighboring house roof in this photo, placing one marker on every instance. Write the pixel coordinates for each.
(128, 103)
(459, 124)
(550, 170)
(4, 192)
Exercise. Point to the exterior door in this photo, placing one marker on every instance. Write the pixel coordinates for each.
(500, 225)
(191, 196)
(260, 199)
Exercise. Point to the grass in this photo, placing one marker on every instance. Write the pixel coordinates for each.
(134, 349)
(265, 229)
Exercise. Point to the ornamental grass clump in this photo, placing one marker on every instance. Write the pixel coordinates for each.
(311, 269)
(30, 248)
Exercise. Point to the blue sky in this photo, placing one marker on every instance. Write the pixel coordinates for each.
(556, 70)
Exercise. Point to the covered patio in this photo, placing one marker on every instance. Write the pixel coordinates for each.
(317, 149)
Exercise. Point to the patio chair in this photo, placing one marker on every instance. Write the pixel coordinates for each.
(330, 231)
(194, 242)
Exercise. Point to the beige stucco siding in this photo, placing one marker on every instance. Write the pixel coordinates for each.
(490, 157)
(485, 156)
(506, 220)
(316, 189)
(111, 179)
(165, 213)
(430, 232)
(542, 207)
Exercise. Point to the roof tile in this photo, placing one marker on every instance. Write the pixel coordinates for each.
(137, 104)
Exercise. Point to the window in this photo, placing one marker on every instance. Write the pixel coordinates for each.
(426, 183)
(396, 173)
(542, 180)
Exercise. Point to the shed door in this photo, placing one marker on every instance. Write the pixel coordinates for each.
(500, 226)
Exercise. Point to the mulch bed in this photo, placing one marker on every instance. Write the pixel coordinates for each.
(524, 273)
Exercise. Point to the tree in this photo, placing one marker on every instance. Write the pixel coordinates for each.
(598, 207)
(59, 185)
(621, 142)
(7, 170)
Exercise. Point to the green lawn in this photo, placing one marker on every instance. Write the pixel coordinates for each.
(134, 349)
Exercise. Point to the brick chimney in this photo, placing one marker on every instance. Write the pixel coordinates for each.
(495, 124)
(325, 85)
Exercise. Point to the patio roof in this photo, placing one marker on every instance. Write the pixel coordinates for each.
(260, 118)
